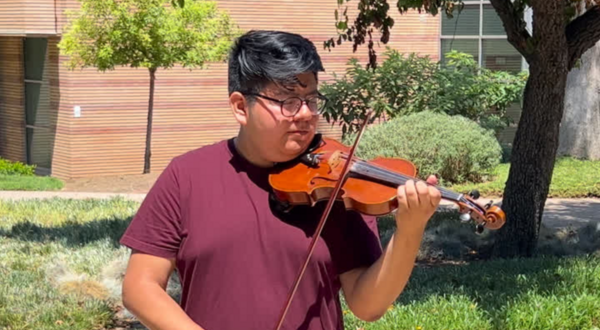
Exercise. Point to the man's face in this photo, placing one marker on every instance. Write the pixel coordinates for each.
(273, 135)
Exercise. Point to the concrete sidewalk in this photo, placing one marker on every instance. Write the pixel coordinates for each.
(562, 212)
(21, 195)
(559, 212)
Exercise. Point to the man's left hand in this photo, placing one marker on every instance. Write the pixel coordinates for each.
(416, 203)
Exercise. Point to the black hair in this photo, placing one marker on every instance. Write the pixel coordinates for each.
(260, 57)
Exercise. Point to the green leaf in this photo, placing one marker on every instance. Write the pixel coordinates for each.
(342, 25)
(108, 33)
(403, 85)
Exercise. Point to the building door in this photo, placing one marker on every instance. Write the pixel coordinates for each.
(38, 117)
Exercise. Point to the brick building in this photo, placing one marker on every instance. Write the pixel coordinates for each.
(85, 123)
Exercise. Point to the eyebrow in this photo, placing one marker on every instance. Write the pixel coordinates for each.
(290, 94)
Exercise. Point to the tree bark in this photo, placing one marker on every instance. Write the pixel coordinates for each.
(536, 139)
(583, 33)
(515, 26)
(532, 163)
(580, 126)
(149, 122)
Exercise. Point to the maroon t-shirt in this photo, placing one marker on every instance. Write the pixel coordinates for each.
(237, 254)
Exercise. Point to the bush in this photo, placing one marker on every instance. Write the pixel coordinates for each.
(15, 168)
(453, 147)
(403, 85)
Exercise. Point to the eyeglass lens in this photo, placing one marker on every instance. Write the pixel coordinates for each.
(292, 105)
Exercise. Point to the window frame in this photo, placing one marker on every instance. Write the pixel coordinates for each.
(479, 37)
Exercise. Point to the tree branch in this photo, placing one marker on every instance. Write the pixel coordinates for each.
(515, 26)
(583, 33)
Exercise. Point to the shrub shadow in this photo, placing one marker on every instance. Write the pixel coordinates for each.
(454, 261)
(493, 285)
(71, 234)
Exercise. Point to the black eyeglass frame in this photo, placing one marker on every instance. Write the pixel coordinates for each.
(302, 102)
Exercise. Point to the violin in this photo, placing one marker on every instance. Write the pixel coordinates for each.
(370, 187)
(328, 170)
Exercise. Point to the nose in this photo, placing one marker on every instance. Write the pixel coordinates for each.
(304, 113)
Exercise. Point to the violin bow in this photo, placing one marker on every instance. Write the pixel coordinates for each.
(317, 233)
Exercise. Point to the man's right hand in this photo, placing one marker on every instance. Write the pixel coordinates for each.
(145, 296)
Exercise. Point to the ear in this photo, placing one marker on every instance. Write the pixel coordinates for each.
(239, 107)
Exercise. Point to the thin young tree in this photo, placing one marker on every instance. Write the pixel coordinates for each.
(562, 31)
(150, 34)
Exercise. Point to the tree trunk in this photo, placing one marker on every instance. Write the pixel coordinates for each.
(536, 140)
(580, 125)
(149, 124)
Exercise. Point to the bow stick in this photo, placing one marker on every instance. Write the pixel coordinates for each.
(317, 233)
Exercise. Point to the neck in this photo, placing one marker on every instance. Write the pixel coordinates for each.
(244, 147)
(394, 179)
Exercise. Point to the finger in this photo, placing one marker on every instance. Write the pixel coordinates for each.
(422, 192)
(412, 198)
(402, 200)
(432, 179)
(434, 196)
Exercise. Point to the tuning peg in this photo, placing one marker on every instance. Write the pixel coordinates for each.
(488, 205)
(479, 228)
(464, 217)
(474, 194)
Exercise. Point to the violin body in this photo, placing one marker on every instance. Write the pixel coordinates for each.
(299, 183)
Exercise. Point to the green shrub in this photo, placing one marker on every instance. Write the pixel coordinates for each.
(15, 168)
(453, 147)
(408, 84)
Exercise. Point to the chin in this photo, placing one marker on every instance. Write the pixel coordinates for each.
(294, 145)
(292, 149)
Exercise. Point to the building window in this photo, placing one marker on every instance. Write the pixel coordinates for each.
(478, 31)
(38, 115)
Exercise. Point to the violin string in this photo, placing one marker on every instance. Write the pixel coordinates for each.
(394, 177)
(400, 178)
(403, 178)
(387, 174)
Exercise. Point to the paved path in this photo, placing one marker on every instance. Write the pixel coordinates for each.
(561, 212)
(20, 195)
(558, 212)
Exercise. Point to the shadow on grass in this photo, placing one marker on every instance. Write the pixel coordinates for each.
(452, 261)
(448, 239)
(71, 234)
(497, 287)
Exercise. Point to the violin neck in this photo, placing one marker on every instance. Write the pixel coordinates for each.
(394, 179)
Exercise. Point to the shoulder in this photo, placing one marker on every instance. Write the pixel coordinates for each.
(201, 157)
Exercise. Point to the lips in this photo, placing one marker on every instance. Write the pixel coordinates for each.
(299, 132)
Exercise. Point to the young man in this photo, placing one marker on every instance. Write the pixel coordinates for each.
(210, 216)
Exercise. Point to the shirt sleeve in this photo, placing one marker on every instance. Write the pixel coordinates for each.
(357, 242)
(156, 227)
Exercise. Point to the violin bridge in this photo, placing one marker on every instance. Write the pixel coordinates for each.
(334, 159)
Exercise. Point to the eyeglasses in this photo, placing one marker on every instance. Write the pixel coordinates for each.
(291, 105)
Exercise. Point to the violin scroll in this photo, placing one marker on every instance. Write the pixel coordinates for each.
(488, 216)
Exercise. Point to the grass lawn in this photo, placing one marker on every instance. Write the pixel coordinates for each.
(61, 268)
(61, 263)
(29, 182)
(543, 293)
(571, 178)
